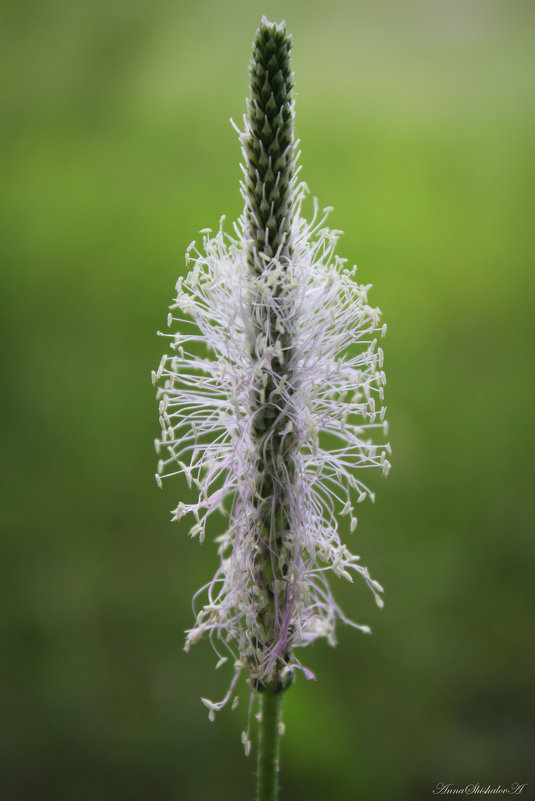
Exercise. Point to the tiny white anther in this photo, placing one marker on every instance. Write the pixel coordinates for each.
(246, 743)
(179, 512)
(161, 367)
(380, 355)
(196, 529)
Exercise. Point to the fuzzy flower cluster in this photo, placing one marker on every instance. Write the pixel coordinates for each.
(270, 399)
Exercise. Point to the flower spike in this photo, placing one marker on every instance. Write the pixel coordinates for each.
(270, 400)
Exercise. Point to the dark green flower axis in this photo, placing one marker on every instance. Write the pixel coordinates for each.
(270, 146)
(269, 150)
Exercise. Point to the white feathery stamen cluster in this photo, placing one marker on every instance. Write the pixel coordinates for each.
(331, 400)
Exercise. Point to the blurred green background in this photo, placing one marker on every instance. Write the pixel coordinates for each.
(417, 125)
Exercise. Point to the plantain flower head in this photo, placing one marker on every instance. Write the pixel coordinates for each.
(271, 401)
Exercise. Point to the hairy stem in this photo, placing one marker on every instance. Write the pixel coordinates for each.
(269, 743)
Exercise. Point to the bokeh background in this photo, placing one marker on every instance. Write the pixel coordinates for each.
(417, 124)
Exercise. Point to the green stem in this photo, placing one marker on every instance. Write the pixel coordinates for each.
(269, 743)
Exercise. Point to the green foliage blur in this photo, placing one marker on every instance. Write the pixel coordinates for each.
(417, 124)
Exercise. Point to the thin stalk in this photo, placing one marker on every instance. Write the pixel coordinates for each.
(269, 743)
